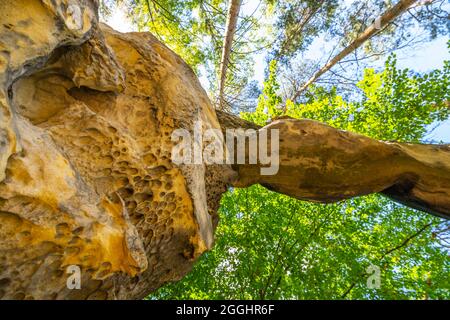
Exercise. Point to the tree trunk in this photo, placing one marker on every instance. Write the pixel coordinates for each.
(386, 18)
(232, 18)
(87, 178)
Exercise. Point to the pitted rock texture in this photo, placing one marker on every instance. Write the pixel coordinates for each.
(86, 172)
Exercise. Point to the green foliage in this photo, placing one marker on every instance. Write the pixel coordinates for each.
(269, 101)
(334, 26)
(181, 25)
(194, 29)
(395, 105)
(299, 22)
(270, 246)
(398, 106)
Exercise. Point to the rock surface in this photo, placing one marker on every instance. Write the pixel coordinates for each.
(86, 171)
(319, 163)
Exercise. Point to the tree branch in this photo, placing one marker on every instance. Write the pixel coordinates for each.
(386, 18)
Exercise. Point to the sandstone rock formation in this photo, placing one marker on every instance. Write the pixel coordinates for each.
(85, 163)
(86, 177)
(322, 164)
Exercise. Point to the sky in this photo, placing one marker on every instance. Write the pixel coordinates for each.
(429, 56)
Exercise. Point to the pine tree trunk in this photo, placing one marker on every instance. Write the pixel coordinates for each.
(387, 17)
(232, 19)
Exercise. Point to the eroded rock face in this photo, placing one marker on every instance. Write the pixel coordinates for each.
(85, 168)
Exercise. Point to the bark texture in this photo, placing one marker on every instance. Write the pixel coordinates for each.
(86, 177)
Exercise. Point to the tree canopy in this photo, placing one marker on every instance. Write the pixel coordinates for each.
(281, 30)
